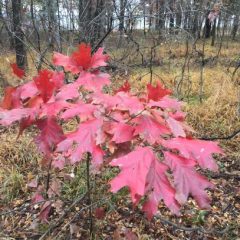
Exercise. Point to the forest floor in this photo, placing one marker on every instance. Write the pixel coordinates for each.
(114, 217)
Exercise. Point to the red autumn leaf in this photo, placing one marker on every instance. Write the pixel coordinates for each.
(81, 59)
(159, 188)
(149, 129)
(129, 103)
(45, 211)
(143, 174)
(134, 171)
(187, 181)
(80, 109)
(37, 198)
(44, 84)
(176, 127)
(67, 92)
(93, 82)
(166, 103)
(196, 149)
(8, 117)
(158, 92)
(51, 134)
(7, 102)
(124, 88)
(121, 132)
(83, 140)
(17, 71)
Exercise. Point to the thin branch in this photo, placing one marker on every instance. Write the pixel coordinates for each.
(222, 138)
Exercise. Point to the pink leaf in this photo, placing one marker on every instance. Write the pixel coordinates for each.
(187, 180)
(45, 211)
(37, 197)
(129, 103)
(99, 59)
(176, 127)
(83, 110)
(14, 115)
(134, 167)
(199, 150)
(166, 103)
(93, 82)
(67, 92)
(85, 139)
(51, 134)
(149, 129)
(121, 132)
(159, 188)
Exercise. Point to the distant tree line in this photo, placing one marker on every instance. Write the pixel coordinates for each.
(47, 25)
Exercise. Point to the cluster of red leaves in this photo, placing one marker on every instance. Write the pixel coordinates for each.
(145, 133)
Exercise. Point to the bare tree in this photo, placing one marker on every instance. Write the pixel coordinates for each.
(21, 53)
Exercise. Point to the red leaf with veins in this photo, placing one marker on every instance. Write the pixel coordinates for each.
(69, 91)
(51, 134)
(129, 103)
(134, 167)
(8, 117)
(17, 71)
(99, 59)
(45, 84)
(158, 92)
(196, 149)
(45, 211)
(83, 140)
(187, 181)
(81, 59)
(93, 82)
(176, 127)
(159, 188)
(83, 110)
(143, 174)
(166, 103)
(28, 90)
(121, 132)
(149, 129)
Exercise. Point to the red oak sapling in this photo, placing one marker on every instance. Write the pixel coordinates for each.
(161, 156)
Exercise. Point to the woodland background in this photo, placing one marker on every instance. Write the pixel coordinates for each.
(192, 46)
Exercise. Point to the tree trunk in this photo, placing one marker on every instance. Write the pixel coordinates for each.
(207, 27)
(21, 54)
(8, 25)
(53, 30)
(235, 27)
(121, 15)
(213, 33)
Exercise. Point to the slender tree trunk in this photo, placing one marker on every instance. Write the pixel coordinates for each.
(53, 30)
(121, 15)
(8, 25)
(207, 27)
(21, 54)
(235, 27)
(213, 33)
(34, 26)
